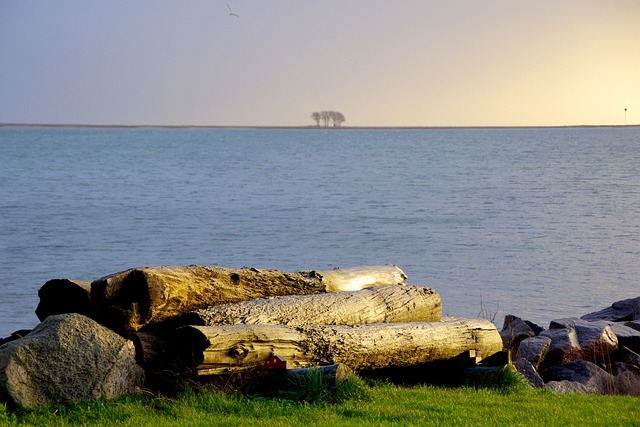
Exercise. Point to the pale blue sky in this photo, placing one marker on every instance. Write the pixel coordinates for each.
(380, 63)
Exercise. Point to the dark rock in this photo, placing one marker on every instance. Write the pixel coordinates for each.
(564, 346)
(627, 336)
(529, 371)
(618, 368)
(626, 355)
(634, 324)
(594, 340)
(533, 350)
(568, 322)
(620, 311)
(514, 331)
(596, 379)
(534, 327)
(68, 359)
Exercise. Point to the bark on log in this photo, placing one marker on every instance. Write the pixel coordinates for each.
(382, 304)
(59, 296)
(226, 349)
(132, 299)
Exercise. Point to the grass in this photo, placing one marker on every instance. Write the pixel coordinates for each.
(494, 401)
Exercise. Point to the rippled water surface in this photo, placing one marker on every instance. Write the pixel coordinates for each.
(542, 222)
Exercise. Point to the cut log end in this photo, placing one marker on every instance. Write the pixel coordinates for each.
(59, 296)
(357, 278)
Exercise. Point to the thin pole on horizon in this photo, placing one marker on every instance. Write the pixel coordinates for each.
(625, 116)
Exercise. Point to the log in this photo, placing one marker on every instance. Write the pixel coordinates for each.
(226, 349)
(280, 377)
(165, 373)
(372, 305)
(130, 300)
(332, 374)
(59, 296)
(357, 278)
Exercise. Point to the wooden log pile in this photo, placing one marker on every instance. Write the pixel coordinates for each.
(142, 297)
(215, 321)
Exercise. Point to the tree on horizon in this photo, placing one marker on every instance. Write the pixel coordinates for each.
(334, 118)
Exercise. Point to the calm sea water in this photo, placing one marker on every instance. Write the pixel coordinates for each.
(542, 223)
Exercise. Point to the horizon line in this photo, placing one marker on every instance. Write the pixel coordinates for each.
(78, 125)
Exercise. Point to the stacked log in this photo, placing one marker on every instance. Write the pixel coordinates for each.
(231, 348)
(207, 320)
(371, 305)
(142, 297)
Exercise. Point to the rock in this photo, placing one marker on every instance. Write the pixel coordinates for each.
(15, 336)
(533, 350)
(567, 387)
(534, 327)
(595, 379)
(514, 330)
(620, 311)
(620, 367)
(625, 355)
(68, 359)
(595, 341)
(569, 322)
(627, 336)
(634, 324)
(564, 346)
(529, 371)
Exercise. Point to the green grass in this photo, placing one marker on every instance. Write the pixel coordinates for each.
(506, 401)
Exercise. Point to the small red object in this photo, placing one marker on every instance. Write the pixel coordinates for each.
(274, 362)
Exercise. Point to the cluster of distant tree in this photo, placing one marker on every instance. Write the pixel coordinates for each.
(328, 118)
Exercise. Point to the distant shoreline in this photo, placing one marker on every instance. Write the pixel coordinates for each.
(310, 127)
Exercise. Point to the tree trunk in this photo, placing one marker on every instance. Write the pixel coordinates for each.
(372, 305)
(226, 349)
(59, 296)
(129, 300)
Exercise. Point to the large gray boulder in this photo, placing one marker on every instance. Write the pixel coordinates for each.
(68, 359)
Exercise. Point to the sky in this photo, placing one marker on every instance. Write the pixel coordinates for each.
(380, 63)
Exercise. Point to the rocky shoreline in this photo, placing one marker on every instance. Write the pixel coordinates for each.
(598, 353)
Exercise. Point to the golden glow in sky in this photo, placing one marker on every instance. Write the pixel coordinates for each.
(380, 63)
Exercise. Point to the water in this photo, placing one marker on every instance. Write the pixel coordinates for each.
(542, 223)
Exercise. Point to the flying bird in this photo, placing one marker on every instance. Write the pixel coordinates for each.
(231, 12)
